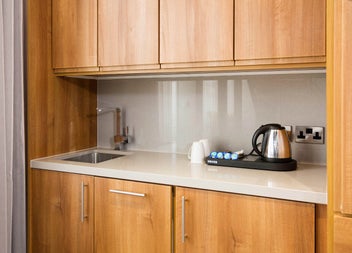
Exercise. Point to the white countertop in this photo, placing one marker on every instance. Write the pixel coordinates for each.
(306, 184)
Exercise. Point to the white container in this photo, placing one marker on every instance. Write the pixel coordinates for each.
(196, 152)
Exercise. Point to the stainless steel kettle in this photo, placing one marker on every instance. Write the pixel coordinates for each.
(275, 145)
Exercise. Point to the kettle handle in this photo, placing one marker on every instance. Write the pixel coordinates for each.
(261, 130)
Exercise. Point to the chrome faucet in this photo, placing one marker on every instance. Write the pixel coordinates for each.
(120, 139)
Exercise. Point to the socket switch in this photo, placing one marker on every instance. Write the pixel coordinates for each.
(309, 134)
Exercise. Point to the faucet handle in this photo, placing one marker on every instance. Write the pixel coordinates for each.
(120, 139)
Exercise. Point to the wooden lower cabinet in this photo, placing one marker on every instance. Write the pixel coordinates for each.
(74, 213)
(208, 222)
(342, 234)
(62, 218)
(132, 217)
(60, 212)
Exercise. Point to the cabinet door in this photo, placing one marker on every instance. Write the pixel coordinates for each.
(132, 217)
(61, 212)
(74, 35)
(279, 31)
(343, 235)
(128, 34)
(196, 33)
(341, 121)
(210, 222)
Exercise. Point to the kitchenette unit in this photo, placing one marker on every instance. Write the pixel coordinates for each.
(151, 77)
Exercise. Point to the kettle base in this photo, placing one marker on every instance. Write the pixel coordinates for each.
(277, 160)
(254, 162)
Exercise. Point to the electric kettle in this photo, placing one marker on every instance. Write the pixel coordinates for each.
(275, 146)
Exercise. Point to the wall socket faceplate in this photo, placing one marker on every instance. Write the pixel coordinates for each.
(309, 134)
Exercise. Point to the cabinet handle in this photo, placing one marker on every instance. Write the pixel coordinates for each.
(183, 234)
(128, 193)
(83, 186)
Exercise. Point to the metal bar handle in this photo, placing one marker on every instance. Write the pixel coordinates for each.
(83, 216)
(128, 193)
(183, 234)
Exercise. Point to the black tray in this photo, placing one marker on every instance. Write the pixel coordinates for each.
(253, 162)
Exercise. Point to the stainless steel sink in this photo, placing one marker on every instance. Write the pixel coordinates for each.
(93, 157)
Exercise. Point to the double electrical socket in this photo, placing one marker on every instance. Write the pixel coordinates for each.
(306, 134)
(309, 134)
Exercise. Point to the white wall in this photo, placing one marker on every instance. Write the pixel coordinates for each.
(166, 115)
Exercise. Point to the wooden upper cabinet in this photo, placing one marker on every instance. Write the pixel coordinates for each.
(279, 31)
(207, 221)
(132, 217)
(128, 34)
(125, 35)
(196, 33)
(74, 35)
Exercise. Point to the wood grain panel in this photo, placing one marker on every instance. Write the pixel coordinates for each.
(281, 61)
(330, 123)
(74, 31)
(346, 105)
(194, 31)
(342, 110)
(222, 222)
(61, 116)
(272, 29)
(60, 112)
(321, 229)
(334, 110)
(56, 225)
(340, 86)
(342, 234)
(130, 224)
(128, 33)
(73, 71)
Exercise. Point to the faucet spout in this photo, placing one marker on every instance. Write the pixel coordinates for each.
(120, 137)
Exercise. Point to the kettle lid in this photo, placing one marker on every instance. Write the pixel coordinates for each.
(273, 126)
